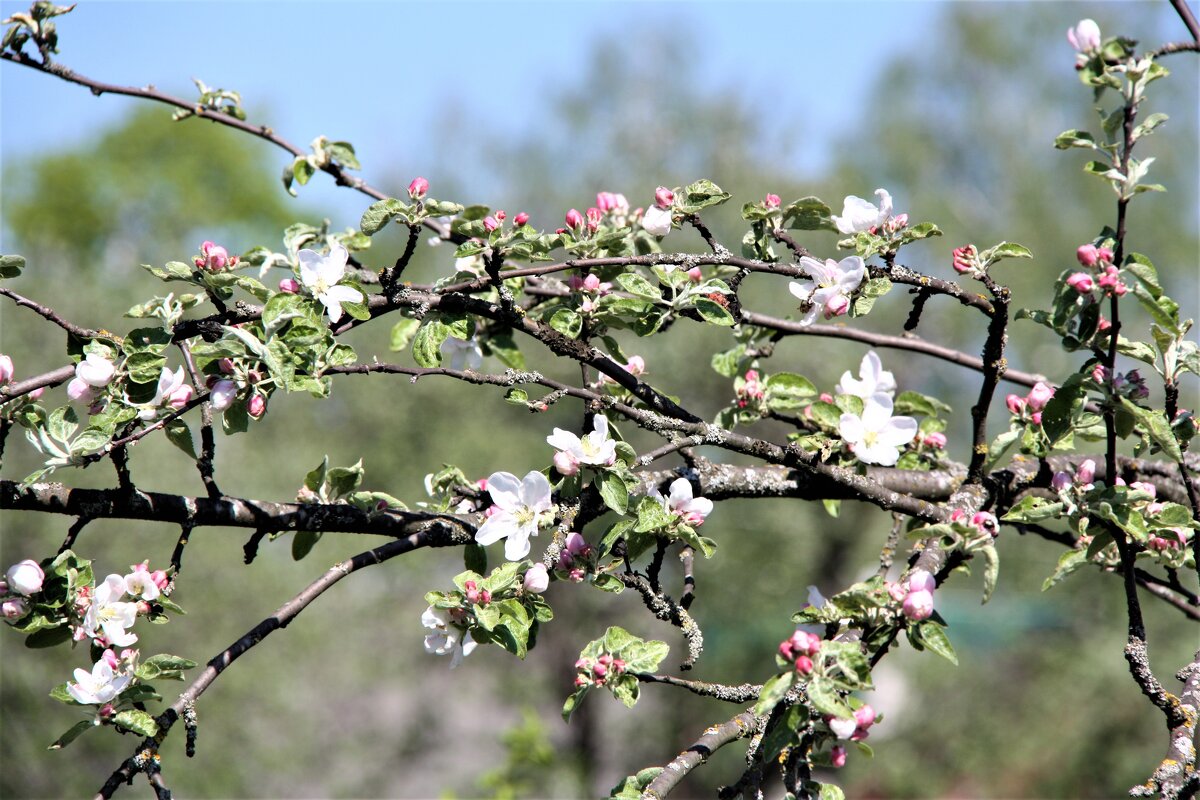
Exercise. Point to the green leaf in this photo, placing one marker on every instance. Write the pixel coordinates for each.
(830, 791)
(380, 214)
(1068, 562)
(137, 721)
(713, 312)
(11, 266)
(1033, 509)
(608, 583)
(991, 571)
(427, 345)
(637, 285)
(573, 702)
(823, 697)
(180, 435)
(701, 194)
(567, 322)
(48, 637)
(613, 491)
(787, 390)
(934, 637)
(773, 691)
(1156, 426)
(1075, 138)
(303, 543)
(73, 733)
(808, 214)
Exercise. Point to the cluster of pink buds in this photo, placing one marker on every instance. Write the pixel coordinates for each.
(1085, 474)
(1033, 403)
(596, 673)
(1091, 256)
(772, 201)
(934, 441)
(494, 220)
(592, 287)
(966, 260)
(749, 389)
(893, 224)
(799, 649)
(1161, 543)
(574, 221)
(1131, 384)
(1107, 278)
(214, 258)
(418, 188)
(573, 558)
(917, 604)
(475, 595)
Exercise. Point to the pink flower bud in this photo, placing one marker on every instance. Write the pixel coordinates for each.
(289, 286)
(536, 579)
(80, 392)
(836, 306)
(565, 463)
(636, 365)
(1016, 405)
(964, 258)
(14, 608)
(605, 201)
(1105, 254)
(110, 658)
(180, 397)
(864, 716)
(1086, 473)
(418, 188)
(837, 756)
(1088, 255)
(695, 274)
(1039, 395)
(804, 665)
(897, 222)
(664, 197)
(772, 201)
(897, 591)
(785, 650)
(222, 395)
(599, 670)
(593, 219)
(215, 257)
(25, 577)
(574, 219)
(936, 440)
(36, 393)
(918, 605)
(591, 283)
(490, 224)
(1036, 418)
(582, 680)
(256, 406)
(576, 575)
(1061, 481)
(521, 219)
(921, 581)
(986, 521)
(6, 369)
(1081, 282)
(577, 545)
(160, 579)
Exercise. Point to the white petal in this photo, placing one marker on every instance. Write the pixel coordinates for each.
(885, 205)
(332, 305)
(564, 440)
(434, 618)
(310, 264)
(333, 266)
(802, 289)
(498, 526)
(877, 410)
(852, 270)
(535, 491)
(681, 493)
(517, 546)
(345, 294)
(851, 428)
(898, 431)
(823, 272)
(878, 453)
(505, 489)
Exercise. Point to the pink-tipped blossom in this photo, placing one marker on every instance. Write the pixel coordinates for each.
(837, 756)
(695, 274)
(918, 605)
(565, 463)
(594, 215)
(1085, 474)
(664, 197)
(964, 258)
(160, 579)
(897, 222)
(804, 665)
(1110, 281)
(920, 580)
(256, 406)
(691, 510)
(594, 449)
(25, 577)
(1016, 404)
(829, 288)
(935, 440)
(1081, 282)
(864, 715)
(110, 658)
(222, 394)
(418, 188)
(6, 369)
(1088, 255)
(490, 224)
(1085, 36)
(577, 546)
(215, 258)
(606, 201)
(520, 219)
(14, 608)
(574, 219)
(658, 220)
(1061, 481)
(772, 201)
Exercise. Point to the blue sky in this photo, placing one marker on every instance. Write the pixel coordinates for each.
(371, 73)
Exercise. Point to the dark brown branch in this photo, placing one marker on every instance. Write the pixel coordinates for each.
(994, 367)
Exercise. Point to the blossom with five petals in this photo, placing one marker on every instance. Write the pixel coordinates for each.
(876, 437)
(830, 288)
(108, 616)
(320, 274)
(521, 506)
(594, 449)
(98, 687)
(873, 379)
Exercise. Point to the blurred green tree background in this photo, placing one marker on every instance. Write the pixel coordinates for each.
(345, 703)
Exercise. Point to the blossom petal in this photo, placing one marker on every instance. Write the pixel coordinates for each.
(516, 546)
(310, 266)
(505, 489)
(565, 440)
(498, 526)
(535, 491)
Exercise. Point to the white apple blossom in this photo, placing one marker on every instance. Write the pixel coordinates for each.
(140, 583)
(446, 639)
(94, 372)
(463, 352)
(109, 616)
(657, 221)
(876, 437)
(693, 510)
(830, 288)
(859, 215)
(521, 507)
(320, 274)
(843, 728)
(873, 379)
(594, 449)
(98, 687)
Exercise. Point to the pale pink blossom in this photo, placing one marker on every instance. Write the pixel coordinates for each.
(222, 394)
(524, 507)
(772, 201)
(14, 608)
(140, 583)
(6, 369)
(860, 215)
(536, 579)
(446, 638)
(1085, 474)
(594, 449)
(99, 686)
(1085, 36)
(1039, 395)
(692, 510)
(920, 580)
(829, 289)
(657, 220)
(876, 437)
(418, 188)
(918, 606)
(25, 577)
